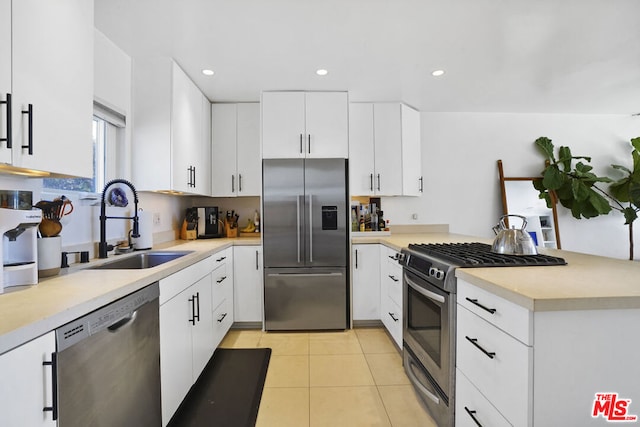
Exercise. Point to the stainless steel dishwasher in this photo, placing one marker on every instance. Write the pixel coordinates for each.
(108, 365)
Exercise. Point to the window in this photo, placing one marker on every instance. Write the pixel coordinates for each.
(108, 128)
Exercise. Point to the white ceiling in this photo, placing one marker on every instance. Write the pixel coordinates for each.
(560, 56)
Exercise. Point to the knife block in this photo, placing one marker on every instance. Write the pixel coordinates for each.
(231, 229)
(187, 234)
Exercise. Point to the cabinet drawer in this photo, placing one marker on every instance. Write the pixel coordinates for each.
(222, 257)
(497, 364)
(511, 318)
(472, 408)
(172, 285)
(394, 283)
(222, 285)
(222, 320)
(392, 319)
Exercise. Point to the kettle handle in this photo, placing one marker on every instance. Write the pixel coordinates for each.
(523, 218)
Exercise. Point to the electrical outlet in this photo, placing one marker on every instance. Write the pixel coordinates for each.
(414, 216)
(156, 218)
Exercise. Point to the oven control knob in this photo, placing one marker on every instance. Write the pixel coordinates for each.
(437, 273)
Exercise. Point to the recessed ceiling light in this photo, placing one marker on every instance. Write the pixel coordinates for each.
(437, 73)
(322, 72)
(208, 72)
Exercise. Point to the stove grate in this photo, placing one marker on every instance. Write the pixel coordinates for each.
(480, 255)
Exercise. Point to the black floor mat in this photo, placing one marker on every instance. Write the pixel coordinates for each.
(228, 391)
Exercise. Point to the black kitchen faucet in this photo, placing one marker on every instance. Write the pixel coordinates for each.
(103, 247)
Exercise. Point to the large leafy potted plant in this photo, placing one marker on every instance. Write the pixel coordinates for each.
(579, 189)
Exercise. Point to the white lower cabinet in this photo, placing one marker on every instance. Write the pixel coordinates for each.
(541, 368)
(186, 332)
(30, 380)
(391, 293)
(365, 271)
(248, 278)
(472, 408)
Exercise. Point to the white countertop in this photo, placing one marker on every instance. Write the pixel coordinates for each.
(587, 282)
(32, 311)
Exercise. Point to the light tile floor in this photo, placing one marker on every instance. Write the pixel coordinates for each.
(351, 378)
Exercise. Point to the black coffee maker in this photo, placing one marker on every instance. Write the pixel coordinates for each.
(209, 225)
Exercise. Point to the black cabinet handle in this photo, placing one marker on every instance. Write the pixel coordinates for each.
(194, 176)
(233, 183)
(239, 183)
(371, 181)
(220, 280)
(393, 278)
(393, 317)
(192, 300)
(54, 386)
(378, 182)
(221, 259)
(421, 184)
(475, 302)
(257, 266)
(356, 259)
(8, 116)
(29, 113)
(197, 297)
(472, 415)
(474, 341)
(222, 317)
(309, 139)
(301, 144)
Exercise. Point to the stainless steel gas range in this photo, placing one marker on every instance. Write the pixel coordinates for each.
(429, 331)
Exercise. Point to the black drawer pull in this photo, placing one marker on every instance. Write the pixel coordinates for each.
(54, 386)
(471, 414)
(220, 280)
(222, 317)
(474, 341)
(393, 317)
(393, 278)
(193, 309)
(475, 302)
(221, 259)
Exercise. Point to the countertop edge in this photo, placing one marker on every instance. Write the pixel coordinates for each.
(50, 321)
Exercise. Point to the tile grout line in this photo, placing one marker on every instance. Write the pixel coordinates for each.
(386, 411)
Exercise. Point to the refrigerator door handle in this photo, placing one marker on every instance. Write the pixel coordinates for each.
(310, 228)
(298, 224)
(304, 274)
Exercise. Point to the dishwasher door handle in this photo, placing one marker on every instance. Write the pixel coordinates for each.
(114, 327)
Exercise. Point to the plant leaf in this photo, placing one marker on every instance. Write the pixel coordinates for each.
(636, 143)
(622, 168)
(634, 193)
(564, 157)
(545, 145)
(579, 190)
(552, 177)
(630, 215)
(599, 203)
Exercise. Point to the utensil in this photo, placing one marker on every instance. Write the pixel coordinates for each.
(49, 227)
(512, 241)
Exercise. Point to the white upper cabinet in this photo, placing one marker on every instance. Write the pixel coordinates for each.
(47, 68)
(384, 150)
(235, 150)
(5, 79)
(305, 124)
(171, 138)
(412, 180)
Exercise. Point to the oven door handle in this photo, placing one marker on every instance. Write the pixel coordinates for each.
(416, 382)
(424, 292)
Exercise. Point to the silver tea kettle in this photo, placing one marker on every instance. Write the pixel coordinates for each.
(512, 241)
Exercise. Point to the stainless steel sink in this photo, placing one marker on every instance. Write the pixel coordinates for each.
(141, 260)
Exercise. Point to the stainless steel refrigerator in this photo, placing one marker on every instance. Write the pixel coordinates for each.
(305, 238)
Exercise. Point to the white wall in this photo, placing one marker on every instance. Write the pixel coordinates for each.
(459, 154)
